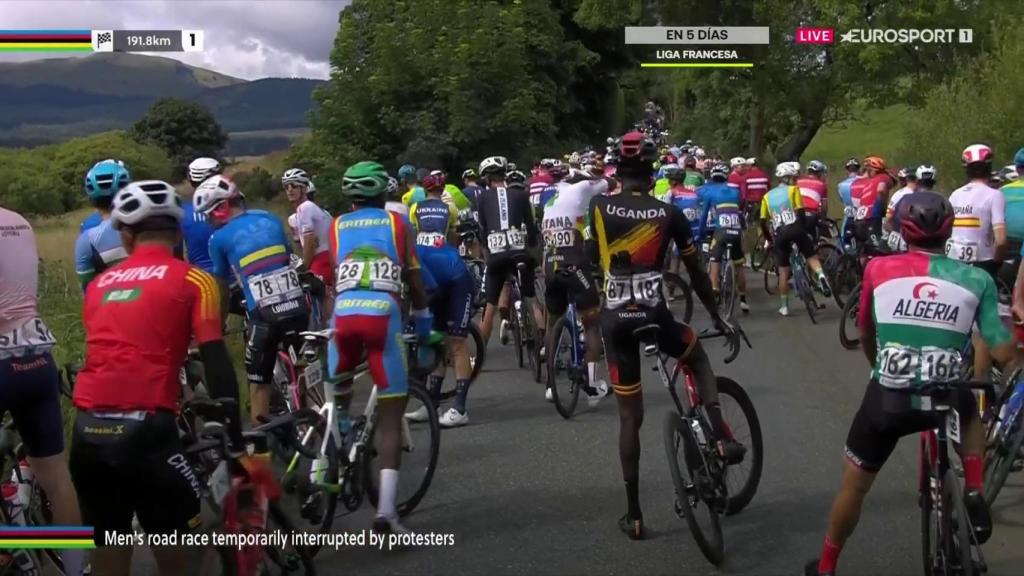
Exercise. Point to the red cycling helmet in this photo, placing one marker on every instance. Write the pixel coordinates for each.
(925, 219)
(433, 182)
(636, 146)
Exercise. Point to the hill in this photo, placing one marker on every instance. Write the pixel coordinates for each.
(45, 101)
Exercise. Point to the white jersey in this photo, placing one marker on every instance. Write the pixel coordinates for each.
(895, 199)
(397, 208)
(573, 200)
(978, 209)
(312, 219)
(563, 218)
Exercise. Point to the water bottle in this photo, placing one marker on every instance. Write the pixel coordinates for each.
(317, 470)
(15, 510)
(25, 486)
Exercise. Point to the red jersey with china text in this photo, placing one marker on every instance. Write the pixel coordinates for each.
(139, 318)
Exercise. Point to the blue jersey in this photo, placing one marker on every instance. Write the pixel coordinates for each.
(720, 203)
(472, 192)
(844, 189)
(548, 194)
(689, 202)
(196, 230)
(432, 221)
(374, 249)
(254, 247)
(92, 221)
(97, 249)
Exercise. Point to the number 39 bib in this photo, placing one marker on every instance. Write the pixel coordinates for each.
(962, 250)
(642, 289)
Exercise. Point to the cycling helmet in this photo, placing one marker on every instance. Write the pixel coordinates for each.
(911, 172)
(926, 219)
(366, 179)
(853, 164)
(295, 176)
(212, 192)
(875, 163)
(106, 178)
(674, 173)
(146, 199)
(689, 142)
(1009, 173)
(817, 167)
(574, 159)
(636, 147)
(467, 174)
(787, 169)
(515, 177)
(719, 171)
(925, 172)
(434, 181)
(511, 167)
(751, 161)
(690, 162)
(392, 188)
(406, 172)
(559, 171)
(699, 153)
(202, 168)
(495, 165)
(685, 149)
(1018, 158)
(902, 174)
(976, 154)
(737, 161)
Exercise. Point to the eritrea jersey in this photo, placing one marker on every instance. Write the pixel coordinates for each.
(563, 223)
(978, 208)
(433, 220)
(722, 200)
(1013, 195)
(196, 229)
(923, 307)
(97, 249)
(688, 201)
(254, 246)
(372, 247)
(781, 204)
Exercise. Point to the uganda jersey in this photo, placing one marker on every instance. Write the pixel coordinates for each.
(1013, 195)
(563, 223)
(639, 226)
(780, 205)
(978, 208)
(923, 307)
(97, 249)
(433, 220)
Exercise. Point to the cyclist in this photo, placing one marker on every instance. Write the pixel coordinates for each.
(1013, 193)
(95, 218)
(869, 195)
(376, 258)
(852, 173)
(723, 200)
(662, 184)
(540, 181)
(139, 317)
(507, 224)
(29, 381)
(925, 178)
(755, 186)
(251, 245)
(782, 206)
(889, 225)
(979, 231)
(919, 306)
(568, 271)
(471, 186)
(408, 180)
(391, 205)
(195, 228)
(434, 223)
(814, 195)
(632, 231)
(99, 247)
(312, 226)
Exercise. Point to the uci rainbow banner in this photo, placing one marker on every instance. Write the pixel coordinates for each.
(56, 537)
(45, 41)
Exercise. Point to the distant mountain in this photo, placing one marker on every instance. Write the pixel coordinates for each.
(43, 101)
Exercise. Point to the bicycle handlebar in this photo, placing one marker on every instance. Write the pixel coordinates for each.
(733, 338)
(216, 412)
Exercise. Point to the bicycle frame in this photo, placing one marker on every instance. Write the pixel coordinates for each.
(574, 330)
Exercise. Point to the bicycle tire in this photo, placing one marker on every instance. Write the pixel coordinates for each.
(850, 312)
(677, 433)
(533, 347)
(768, 273)
(829, 256)
(40, 514)
(847, 277)
(517, 339)
(565, 402)
(681, 286)
(962, 538)
(806, 293)
(759, 255)
(1001, 458)
(728, 290)
(407, 500)
(330, 490)
(929, 515)
(277, 520)
(739, 499)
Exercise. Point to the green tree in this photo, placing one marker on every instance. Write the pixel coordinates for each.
(257, 183)
(184, 129)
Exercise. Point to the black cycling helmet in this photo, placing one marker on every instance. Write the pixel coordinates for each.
(925, 219)
(853, 164)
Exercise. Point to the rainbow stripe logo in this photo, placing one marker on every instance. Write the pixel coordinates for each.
(55, 537)
(45, 41)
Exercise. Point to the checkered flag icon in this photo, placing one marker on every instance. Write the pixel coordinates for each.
(103, 38)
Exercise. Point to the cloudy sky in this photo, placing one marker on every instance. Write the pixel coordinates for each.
(243, 38)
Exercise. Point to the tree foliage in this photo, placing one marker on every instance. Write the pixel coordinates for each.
(184, 129)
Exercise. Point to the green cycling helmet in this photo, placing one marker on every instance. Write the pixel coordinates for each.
(366, 179)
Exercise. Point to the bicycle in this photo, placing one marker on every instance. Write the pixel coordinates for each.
(236, 498)
(802, 283)
(849, 319)
(524, 332)
(702, 480)
(948, 542)
(341, 465)
(1005, 436)
(567, 336)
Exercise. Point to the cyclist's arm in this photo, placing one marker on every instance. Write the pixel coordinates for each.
(222, 272)
(590, 247)
(85, 262)
(412, 268)
(453, 225)
(991, 326)
(766, 216)
(683, 236)
(999, 225)
(531, 224)
(1018, 293)
(865, 318)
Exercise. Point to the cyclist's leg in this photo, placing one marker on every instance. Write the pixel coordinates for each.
(735, 253)
(495, 272)
(459, 309)
(528, 291)
(260, 356)
(718, 248)
(783, 249)
(321, 268)
(588, 301)
(439, 304)
(807, 247)
(556, 300)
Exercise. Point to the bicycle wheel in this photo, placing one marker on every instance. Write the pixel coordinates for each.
(759, 254)
(929, 518)
(676, 286)
(562, 374)
(771, 277)
(1001, 456)
(531, 339)
(290, 558)
(849, 333)
(846, 278)
(829, 257)
(693, 498)
(517, 337)
(421, 444)
(738, 411)
(317, 495)
(806, 292)
(727, 293)
(477, 356)
(958, 526)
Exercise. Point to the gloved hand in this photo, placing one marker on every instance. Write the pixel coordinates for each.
(424, 322)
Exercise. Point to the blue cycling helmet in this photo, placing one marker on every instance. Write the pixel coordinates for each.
(407, 172)
(1018, 158)
(106, 178)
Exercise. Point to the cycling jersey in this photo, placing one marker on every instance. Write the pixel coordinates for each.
(894, 200)
(22, 332)
(454, 197)
(693, 180)
(1013, 194)
(663, 190)
(97, 249)
(397, 208)
(866, 198)
(688, 201)
(724, 201)
(923, 307)
(814, 194)
(91, 221)
(845, 195)
(414, 195)
(312, 219)
(978, 209)
(563, 223)
(253, 245)
(433, 221)
(506, 218)
(537, 184)
(472, 192)
(755, 184)
(781, 205)
(139, 317)
(738, 181)
(196, 230)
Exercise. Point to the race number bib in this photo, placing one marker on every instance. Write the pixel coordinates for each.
(642, 289)
(962, 250)
(430, 239)
(848, 212)
(896, 242)
(32, 337)
(729, 221)
(510, 240)
(462, 250)
(691, 214)
(560, 238)
(274, 287)
(516, 239)
(381, 275)
(783, 218)
(862, 212)
(901, 367)
(497, 242)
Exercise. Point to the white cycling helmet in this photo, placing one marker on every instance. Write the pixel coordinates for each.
(737, 161)
(392, 188)
(787, 169)
(925, 172)
(202, 168)
(699, 153)
(212, 192)
(145, 199)
(493, 165)
(295, 176)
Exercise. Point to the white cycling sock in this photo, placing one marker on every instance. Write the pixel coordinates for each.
(388, 492)
(592, 372)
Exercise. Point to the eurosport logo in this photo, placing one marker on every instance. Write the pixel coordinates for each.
(909, 36)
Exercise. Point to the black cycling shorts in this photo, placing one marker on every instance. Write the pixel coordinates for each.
(501, 267)
(869, 234)
(30, 390)
(785, 237)
(622, 350)
(885, 416)
(575, 283)
(264, 341)
(122, 467)
(723, 240)
(811, 220)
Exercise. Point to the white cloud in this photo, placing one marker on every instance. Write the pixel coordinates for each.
(243, 38)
